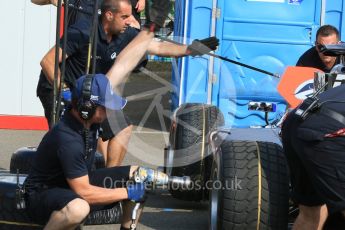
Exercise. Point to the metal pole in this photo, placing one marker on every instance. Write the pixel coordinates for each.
(92, 41)
(244, 65)
(63, 63)
(226, 59)
(211, 73)
(56, 67)
(95, 37)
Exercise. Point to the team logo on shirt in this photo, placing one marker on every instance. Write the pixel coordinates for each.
(113, 56)
(94, 98)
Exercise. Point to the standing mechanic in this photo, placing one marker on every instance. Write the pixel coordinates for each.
(114, 34)
(326, 35)
(61, 187)
(314, 149)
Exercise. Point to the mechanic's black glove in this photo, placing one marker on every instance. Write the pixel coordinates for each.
(204, 46)
(157, 14)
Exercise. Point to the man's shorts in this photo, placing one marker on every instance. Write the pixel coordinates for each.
(115, 122)
(317, 168)
(42, 202)
(46, 97)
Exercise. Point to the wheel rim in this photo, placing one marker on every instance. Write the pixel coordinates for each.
(214, 203)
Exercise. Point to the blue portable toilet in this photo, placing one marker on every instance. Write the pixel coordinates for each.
(334, 14)
(267, 34)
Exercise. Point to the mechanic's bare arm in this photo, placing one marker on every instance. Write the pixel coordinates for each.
(45, 2)
(129, 58)
(133, 22)
(167, 49)
(98, 195)
(140, 6)
(48, 65)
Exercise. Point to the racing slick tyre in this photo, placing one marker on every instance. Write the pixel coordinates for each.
(12, 218)
(250, 187)
(21, 160)
(189, 153)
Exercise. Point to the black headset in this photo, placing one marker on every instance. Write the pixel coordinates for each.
(86, 107)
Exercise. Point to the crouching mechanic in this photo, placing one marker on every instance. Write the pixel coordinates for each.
(315, 149)
(62, 188)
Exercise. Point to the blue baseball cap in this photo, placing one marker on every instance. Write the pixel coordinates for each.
(101, 92)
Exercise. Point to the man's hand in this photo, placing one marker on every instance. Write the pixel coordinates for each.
(204, 46)
(133, 22)
(157, 14)
(140, 5)
(136, 192)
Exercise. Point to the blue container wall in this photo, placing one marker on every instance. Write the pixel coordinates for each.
(177, 65)
(194, 86)
(334, 15)
(265, 34)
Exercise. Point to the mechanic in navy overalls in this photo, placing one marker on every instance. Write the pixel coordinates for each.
(62, 186)
(114, 34)
(315, 151)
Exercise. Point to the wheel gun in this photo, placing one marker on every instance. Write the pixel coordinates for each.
(142, 175)
(147, 175)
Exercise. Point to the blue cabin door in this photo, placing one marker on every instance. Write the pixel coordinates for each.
(334, 14)
(268, 34)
